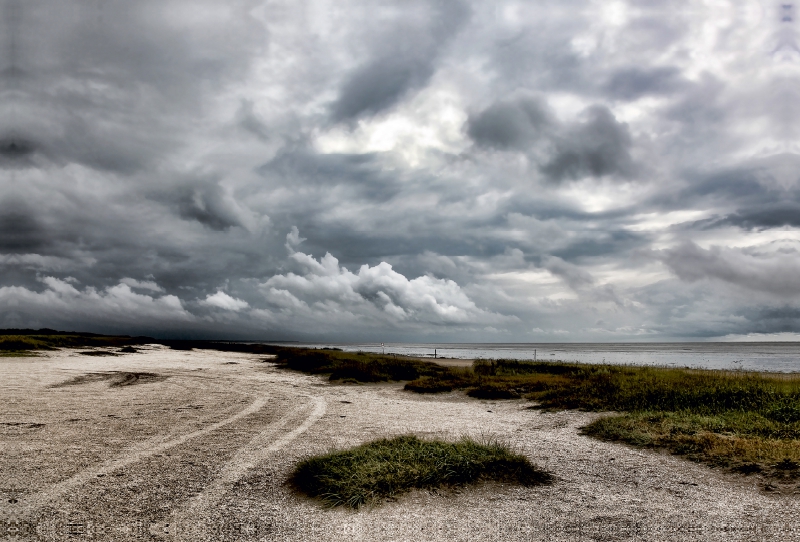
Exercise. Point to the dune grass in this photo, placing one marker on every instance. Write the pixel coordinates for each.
(20, 343)
(18, 354)
(358, 367)
(46, 339)
(386, 468)
(744, 421)
(740, 441)
(747, 422)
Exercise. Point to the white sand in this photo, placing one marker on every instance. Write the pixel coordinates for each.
(204, 454)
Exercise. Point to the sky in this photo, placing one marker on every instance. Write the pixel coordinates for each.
(410, 170)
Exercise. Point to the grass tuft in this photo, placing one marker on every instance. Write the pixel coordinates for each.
(386, 468)
(18, 354)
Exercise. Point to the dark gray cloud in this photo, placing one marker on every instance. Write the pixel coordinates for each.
(601, 243)
(206, 202)
(772, 272)
(15, 151)
(633, 83)
(405, 61)
(573, 275)
(21, 231)
(108, 85)
(361, 175)
(776, 216)
(380, 84)
(767, 218)
(513, 124)
(752, 195)
(598, 146)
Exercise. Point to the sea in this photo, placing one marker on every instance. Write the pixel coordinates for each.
(781, 357)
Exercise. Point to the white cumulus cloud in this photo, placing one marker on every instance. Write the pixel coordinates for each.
(377, 294)
(222, 300)
(142, 285)
(61, 303)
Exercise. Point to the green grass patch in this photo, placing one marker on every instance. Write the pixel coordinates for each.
(746, 422)
(743, 442)
(598, 387)
(427, 384)
(514, 386)
(18, 354)
(17, 343)
(386, 468)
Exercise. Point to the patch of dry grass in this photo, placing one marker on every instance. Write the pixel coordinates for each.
(743, 442)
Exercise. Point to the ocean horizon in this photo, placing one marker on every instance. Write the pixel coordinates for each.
(747, 356)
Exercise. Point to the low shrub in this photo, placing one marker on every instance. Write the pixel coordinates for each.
(427, 384)
(359, 366)
(493, 390)
(359, 371)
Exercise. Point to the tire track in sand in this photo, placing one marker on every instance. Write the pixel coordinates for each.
(33, 503)
(249, 456)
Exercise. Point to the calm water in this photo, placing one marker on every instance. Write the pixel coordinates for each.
(774, 356)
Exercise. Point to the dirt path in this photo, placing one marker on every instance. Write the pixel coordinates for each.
(204, 452)
(269, 441)
(29, 505)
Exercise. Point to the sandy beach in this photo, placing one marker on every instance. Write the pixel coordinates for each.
(199, 444)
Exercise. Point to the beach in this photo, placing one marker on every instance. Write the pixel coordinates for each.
(197, 445)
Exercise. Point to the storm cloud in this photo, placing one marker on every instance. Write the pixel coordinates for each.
(596, 145)
(407, 51)
(775, 271)
(511, 124)
(454, 170)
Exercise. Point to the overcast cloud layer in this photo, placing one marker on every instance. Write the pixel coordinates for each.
(416, 170)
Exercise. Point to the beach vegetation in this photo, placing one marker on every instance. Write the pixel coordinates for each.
(386, 468)
(743, 421)
(358, 366)
(26, 340)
